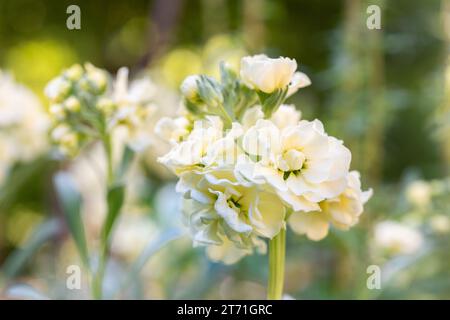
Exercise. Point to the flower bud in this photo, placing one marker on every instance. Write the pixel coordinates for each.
(105, 105)
(57, 89)
(66, 139)
(57, 111)
(72, 104)
(189, 87)
(74, 73)
(97, 77)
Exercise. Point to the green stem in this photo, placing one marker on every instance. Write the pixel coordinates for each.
(97, 281)
(109, 158)
(277, 252)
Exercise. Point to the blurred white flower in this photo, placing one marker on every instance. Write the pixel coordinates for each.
(418, 193)
(342, 212)
(397, 238)
(23, 124)
(134, 108)
(262, 73)
(440, 223)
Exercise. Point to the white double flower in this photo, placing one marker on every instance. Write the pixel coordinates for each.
(218, 209)
(299, 161)
(342, 211)
(206, 146)
(266, 74)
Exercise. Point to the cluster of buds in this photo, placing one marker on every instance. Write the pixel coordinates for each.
(74, 106)
(86, 105)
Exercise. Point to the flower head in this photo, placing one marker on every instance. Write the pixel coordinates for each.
(266, 74)
(246, 161)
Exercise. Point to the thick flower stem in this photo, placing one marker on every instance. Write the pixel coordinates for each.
(277, 251)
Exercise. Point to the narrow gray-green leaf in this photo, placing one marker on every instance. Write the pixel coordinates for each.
(125, 163)
(152, 247)
(71, 204)
(115, 198)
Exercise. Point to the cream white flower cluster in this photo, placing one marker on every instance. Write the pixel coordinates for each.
(23, 124)
(247, 163)
(86, 104)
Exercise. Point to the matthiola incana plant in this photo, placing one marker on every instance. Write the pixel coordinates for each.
(88, 106)
(249, 165)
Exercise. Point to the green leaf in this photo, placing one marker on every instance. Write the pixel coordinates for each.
(125, 162)
(71, 204)
(115, 199)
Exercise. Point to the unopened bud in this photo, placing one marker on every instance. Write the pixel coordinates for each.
(72, 104)
(189, 87)
(74, 73)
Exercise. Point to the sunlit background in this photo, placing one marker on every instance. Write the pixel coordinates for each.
(385, 92)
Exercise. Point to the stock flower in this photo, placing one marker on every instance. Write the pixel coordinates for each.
(206, 146)
(217, 207)
(262, 73)
(244, 159)
(134, 105)
(23, 124)
(302, 163)
(284, 116)
(342, 211)
(172, 130)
